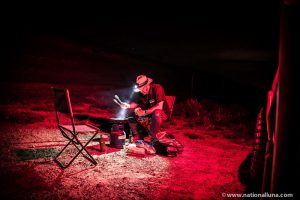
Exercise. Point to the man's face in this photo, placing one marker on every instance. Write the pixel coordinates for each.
(145, 90)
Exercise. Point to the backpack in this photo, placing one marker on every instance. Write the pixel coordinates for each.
(167, 144)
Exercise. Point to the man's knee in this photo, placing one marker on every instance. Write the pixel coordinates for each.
(159, 114)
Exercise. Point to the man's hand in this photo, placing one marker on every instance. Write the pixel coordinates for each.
(125, 105)
(139, 112)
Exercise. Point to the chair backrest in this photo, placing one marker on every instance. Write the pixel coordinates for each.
(170, 101)
(62, 104)
(62, 101)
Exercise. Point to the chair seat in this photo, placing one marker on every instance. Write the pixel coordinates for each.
(80, 128)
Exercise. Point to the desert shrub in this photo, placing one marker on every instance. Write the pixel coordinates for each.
(210, 114)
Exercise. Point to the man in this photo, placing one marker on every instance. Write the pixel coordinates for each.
(148, 101)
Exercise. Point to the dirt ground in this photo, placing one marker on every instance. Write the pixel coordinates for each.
(207, 168)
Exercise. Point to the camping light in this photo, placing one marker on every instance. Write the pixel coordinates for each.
(135, 88)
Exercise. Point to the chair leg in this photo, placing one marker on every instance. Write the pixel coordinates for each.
(89, 157)
(55, 159)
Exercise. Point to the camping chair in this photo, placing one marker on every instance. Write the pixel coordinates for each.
(69, 129)
(170, 101)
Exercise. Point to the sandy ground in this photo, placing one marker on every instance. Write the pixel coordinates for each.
(207, 168)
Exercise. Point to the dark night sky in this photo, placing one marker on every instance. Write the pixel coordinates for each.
(227, 34)
(239, 41)
(241, 32)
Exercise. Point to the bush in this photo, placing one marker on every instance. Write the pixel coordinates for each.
(209, 114)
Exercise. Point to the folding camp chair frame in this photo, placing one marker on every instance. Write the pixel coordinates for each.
(170, 101)
(70, 131)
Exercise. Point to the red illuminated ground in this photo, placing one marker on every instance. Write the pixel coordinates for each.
(207, 167)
